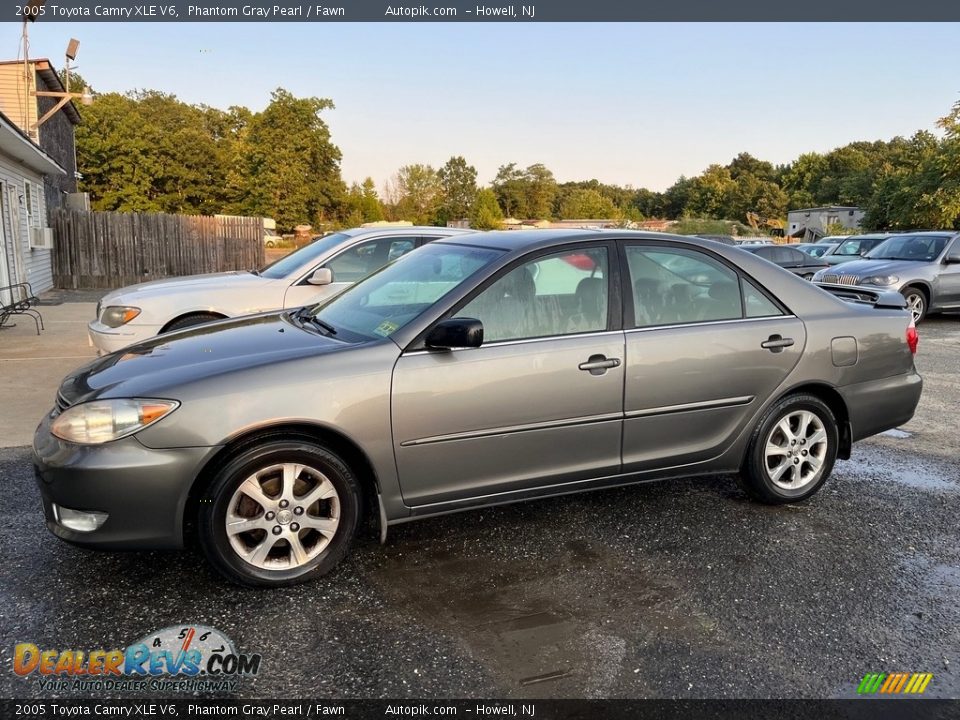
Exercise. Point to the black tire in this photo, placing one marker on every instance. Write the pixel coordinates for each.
(911, 294)
(191, 320)
(216, 502)
(755, 477)
(807, 276)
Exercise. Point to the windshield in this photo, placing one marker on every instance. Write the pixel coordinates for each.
(921, 248)
(817, 250)
(387, 300)
(289, 264)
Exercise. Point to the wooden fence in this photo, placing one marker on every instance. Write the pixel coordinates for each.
(109, 250)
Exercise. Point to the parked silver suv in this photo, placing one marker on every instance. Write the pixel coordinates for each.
(923, 266)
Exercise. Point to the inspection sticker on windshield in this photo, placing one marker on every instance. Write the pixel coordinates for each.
(385, 328)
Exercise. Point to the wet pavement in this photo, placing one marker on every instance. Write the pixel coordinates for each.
(676, 589)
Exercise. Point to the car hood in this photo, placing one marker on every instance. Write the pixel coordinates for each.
(238, 279)
(874, 267)
(156, 367)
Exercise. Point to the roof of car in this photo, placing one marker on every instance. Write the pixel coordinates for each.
(513, 240)
(405, 230)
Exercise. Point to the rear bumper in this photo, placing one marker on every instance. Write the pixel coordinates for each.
(880, 405)
(143, 491)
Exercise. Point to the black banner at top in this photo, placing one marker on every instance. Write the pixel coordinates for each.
(322, 11)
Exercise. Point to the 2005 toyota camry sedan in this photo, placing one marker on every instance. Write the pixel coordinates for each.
(480, 369)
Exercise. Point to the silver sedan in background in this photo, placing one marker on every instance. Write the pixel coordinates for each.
(477, 370)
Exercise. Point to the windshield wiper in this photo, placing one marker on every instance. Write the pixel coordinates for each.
(304, 314)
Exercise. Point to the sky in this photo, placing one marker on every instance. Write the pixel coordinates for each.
(632, 104)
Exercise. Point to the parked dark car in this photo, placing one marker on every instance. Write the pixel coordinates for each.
(476, 370)
(923, 266)
(799, 263)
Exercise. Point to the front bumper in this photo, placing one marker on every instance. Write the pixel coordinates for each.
(879, 405)
(143, 491)
(107, 339)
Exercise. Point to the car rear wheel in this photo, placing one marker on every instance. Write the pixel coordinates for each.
(280, 513)
(916, 302)
(191, 320)
(792, 451)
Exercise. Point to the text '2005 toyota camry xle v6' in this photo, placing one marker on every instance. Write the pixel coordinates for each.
(477, 370)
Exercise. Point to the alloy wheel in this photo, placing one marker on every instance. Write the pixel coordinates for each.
(282, 516)
(795, 450)
(915, 304)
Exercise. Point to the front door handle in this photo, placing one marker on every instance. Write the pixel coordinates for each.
(776, 343)
(599, 364)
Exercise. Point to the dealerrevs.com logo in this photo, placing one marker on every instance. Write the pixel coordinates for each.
(187, 658)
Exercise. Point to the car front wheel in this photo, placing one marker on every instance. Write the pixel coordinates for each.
(792, 451)
(916, 303)
(280, 513)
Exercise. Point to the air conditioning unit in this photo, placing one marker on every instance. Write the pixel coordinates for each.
(41, 238)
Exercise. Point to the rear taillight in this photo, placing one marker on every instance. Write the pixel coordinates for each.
(913, 338)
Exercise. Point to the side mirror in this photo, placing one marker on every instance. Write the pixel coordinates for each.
(953, 258)
(456, 333)
(321, 276)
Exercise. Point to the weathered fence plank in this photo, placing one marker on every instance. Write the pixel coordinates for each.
(108, 250)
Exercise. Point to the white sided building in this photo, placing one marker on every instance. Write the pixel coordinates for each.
(25, 240)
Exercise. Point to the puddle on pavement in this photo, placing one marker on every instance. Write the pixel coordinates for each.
(536, 621)
(922, 480)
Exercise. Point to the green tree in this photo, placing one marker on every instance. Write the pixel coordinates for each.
(486, 213)
(370, 205)
(289, 168)
(582, 204)
(458, 187)
(541, 187)
(509, 186)
(418, 193)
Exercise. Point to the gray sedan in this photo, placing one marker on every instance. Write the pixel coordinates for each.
(477, 370)
(923, 266)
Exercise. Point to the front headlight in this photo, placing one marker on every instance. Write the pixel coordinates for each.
(101, 421)
(116, 315)
(880, 280)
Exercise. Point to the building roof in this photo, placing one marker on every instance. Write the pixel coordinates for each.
(825, 207)
(49, 75)
(18, 145)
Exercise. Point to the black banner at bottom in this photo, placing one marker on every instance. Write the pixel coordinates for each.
(855, 709)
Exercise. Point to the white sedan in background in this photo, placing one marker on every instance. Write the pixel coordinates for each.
(313, 273)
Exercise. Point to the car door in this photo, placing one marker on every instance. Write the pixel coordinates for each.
(539, 403)
(948, 277)
(704, 346)
(349, 266)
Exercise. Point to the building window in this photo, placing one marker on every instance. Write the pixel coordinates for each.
(32, 196)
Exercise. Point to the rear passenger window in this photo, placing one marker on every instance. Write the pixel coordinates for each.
(756, 303)
(561, 294)
(672, 286)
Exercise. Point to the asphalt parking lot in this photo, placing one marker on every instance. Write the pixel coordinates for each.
(679, 589)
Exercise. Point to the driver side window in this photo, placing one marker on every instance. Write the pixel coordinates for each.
(561, 294)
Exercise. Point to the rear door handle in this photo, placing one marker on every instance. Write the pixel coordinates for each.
(599, 364)
(776, 343)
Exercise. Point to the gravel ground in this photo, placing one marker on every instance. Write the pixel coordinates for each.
(679, 589)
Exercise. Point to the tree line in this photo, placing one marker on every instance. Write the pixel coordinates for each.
(148, 151)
